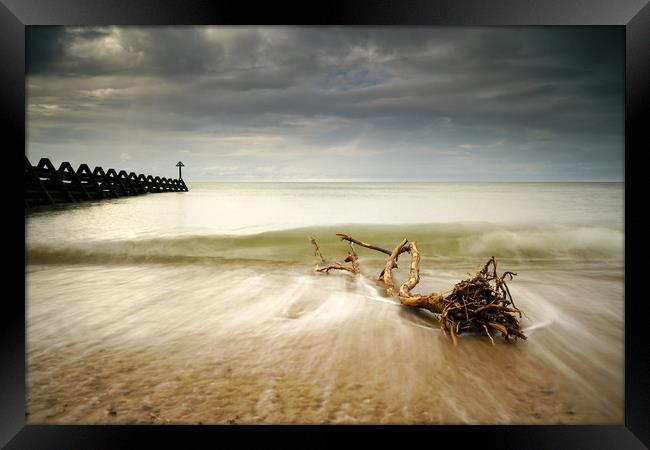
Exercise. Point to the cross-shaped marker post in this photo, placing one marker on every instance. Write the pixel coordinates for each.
(179, 165)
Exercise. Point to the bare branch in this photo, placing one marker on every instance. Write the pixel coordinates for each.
(414, 276)
(317, 249)
(345, 237)
(388, 270)
(335, 266)
(324, 267)
(477, 304)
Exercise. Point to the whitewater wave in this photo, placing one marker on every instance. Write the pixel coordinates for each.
(459, 240)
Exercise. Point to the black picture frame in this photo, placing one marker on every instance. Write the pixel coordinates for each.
(634, 15)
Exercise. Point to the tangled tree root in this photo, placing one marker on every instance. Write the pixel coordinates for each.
(480, 303)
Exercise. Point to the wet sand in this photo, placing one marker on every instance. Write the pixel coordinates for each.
(139, 344)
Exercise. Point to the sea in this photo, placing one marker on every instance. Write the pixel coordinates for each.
(204, 306)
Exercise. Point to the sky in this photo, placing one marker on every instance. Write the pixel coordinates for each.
(330, 103)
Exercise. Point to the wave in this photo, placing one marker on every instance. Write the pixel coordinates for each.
(452, 240)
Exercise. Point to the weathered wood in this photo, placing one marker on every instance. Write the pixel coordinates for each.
(46, 185)
(388, 270)
(433, 302)
(475, 304)
(345, 237)
(352, 258)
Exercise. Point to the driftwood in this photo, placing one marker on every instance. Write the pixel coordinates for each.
(480, 303)
(351, 258)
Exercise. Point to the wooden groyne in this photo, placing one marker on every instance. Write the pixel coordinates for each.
(46, 185)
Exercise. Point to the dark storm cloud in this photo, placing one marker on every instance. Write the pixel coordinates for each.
(239, 102)
(44, 47)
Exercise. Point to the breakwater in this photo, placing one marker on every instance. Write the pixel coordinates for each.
(47, 185)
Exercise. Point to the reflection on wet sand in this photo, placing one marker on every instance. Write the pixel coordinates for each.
(262, 344)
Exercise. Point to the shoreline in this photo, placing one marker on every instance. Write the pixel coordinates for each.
(250, 347)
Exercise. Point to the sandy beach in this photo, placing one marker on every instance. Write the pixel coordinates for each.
(258, 346)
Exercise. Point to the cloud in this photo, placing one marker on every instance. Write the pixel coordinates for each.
(392, 100)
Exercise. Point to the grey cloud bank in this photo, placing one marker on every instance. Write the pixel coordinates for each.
(331, 103)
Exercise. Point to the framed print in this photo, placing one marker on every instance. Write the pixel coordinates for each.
(386, 215)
